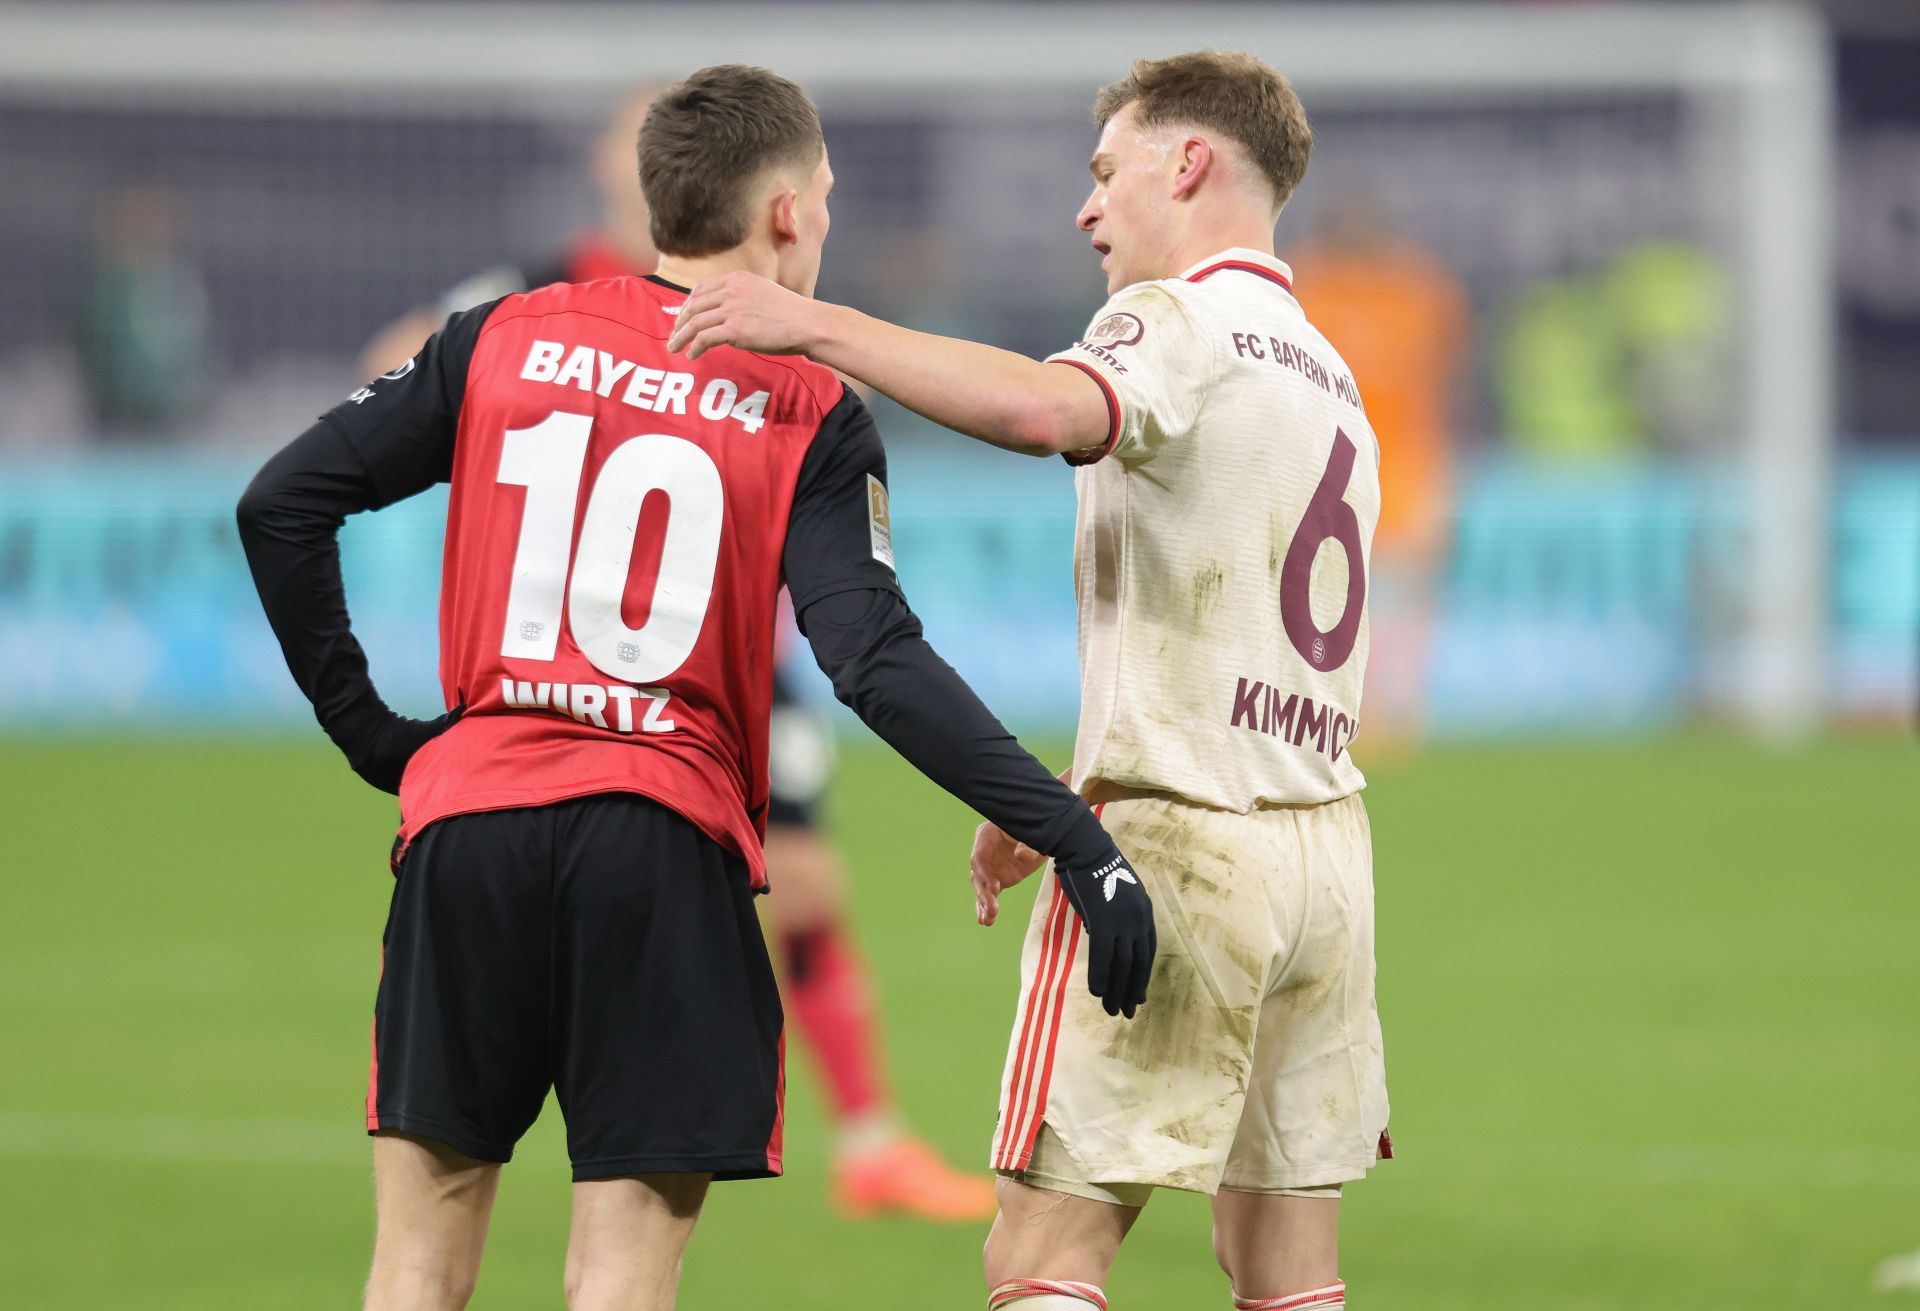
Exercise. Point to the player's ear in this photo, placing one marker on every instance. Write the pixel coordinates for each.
(1195, 161)
(786, 218)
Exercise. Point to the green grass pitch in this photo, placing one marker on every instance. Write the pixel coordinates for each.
(1652, 1016)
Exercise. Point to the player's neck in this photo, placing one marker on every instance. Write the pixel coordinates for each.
(632, 238)
(1237, 231)
(692, 270)
(1194, 252)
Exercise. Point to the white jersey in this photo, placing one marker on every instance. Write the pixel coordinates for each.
(1222, 544)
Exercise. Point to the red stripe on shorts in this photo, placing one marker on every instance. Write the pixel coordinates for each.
(1017, 1086)
(777, 1141)
(1032, 1131)
(1017, 1136)
(373, 1042)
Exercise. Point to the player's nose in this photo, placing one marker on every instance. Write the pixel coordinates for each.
(1088, 216)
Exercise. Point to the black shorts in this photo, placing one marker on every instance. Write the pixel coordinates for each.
(604, 947)
(801, 755)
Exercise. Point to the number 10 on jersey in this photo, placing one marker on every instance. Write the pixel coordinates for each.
(587, 585)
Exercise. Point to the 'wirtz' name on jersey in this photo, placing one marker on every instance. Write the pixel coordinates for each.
(604, 705)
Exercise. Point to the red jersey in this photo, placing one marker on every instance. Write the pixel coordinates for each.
(620, 526)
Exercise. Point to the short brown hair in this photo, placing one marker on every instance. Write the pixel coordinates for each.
(1241, 97)
(707, 140)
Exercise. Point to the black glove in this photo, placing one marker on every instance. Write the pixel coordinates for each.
(1118, 914)
(379, 748)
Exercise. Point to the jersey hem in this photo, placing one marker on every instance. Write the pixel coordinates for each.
(477, 803)
(1174, 792)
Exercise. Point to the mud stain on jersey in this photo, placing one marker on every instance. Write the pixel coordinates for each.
(1207, 586)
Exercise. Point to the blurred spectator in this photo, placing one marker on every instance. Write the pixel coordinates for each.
(1672, 304)
(1637, 353)
(1402, 322)
(1558, 374)
(143, 331)
(621, 244)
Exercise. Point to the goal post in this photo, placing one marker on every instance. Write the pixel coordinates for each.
(1745, 91)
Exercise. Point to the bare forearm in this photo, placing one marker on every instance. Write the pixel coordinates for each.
(997, 396)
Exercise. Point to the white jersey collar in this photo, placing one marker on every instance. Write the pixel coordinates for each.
(1239, 259)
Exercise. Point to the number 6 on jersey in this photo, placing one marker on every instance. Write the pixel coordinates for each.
(1328, 516)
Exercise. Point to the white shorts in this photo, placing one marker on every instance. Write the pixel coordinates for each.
(1256, 1062)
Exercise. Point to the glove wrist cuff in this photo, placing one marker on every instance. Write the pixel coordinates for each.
(1085, 845)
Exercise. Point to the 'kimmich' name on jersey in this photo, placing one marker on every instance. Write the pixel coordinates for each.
(1297, 719)
(658, 390)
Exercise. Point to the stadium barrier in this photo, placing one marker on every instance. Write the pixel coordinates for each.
(1575, 599)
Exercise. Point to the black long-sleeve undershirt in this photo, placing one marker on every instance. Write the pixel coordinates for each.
(289, 520)
(865, 640)
(864, 636)
(872, 647)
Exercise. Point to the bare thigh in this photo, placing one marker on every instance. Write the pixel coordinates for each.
(627, 1240)
(1041, 1234)
(1274, 1244)
(432, 1205)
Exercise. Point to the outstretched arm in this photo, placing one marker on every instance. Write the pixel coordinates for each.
(997, 396)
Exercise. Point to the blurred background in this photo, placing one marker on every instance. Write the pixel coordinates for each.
(1632, 293)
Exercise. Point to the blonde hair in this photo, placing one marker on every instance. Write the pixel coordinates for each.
(1241, 97)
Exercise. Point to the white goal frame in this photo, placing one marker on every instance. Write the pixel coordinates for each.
(1763, 70)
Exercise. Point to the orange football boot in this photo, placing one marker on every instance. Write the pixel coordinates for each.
(907, 1177)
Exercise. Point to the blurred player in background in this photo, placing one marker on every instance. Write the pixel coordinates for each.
(879, 1167)
(581, 832)
(621, 244)
(1227, 507)
(1402, 322)
(145, 340)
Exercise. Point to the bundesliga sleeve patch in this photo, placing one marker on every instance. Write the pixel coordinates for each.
(879, 521)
